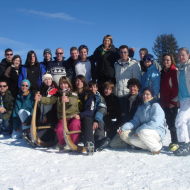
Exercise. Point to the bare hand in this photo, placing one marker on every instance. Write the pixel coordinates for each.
(65, 99)
(76, 117)
(136, 135)
(17, 129)
(24, 124)
(95, 126)
(44, 120)
(2, 110)
(38, 97)
(171, 106)
(133, 49)
(120, 132)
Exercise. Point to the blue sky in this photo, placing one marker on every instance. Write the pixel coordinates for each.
(38, 24)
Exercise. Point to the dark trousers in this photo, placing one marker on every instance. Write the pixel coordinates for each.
(86, 124)
(170, 115)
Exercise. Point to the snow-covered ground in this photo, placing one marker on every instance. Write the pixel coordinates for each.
(23, 168)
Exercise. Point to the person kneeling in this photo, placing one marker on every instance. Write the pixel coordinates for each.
(148, 124)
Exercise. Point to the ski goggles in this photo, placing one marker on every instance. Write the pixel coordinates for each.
(147, 59)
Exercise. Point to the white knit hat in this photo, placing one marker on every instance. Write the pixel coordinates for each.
(44, 76)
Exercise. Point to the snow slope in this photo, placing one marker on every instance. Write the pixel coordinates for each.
(23, 168)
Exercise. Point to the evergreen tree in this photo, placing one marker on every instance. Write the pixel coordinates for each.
(165, 43)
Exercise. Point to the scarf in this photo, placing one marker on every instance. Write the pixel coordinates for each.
(67, 90)
(1, 101)
(104, 51)
(24, 94)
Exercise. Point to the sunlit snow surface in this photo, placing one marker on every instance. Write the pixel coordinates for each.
(23, 168)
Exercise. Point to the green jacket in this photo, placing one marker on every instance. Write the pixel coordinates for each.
(71, 107)
(8, 101)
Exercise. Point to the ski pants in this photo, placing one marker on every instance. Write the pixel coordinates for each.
(23, 114)
(122, 141)
(73, 125)
(147, 139)
(183, 121)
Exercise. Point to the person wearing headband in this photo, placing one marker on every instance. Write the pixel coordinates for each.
(148, 125)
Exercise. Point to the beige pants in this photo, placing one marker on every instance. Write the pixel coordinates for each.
(123, 140)
(147, 139)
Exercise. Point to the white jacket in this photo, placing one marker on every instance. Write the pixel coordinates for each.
(123, 73)
(187, 75)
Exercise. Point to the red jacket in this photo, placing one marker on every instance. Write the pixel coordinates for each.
(169, 87)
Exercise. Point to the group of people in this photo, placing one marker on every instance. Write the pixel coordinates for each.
(111, 97)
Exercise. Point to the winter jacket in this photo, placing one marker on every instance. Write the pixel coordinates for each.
(59, 69)
(123, 73)
(86, 105)
(151, 78)
(100, 108)
(23, 75)
(26, 103)
(71, 107)
(129, 113)
(187, 74)
(12, 75)
(169, 87)
(3, 67)
(148, 116)
(8, 102)
(45, 63)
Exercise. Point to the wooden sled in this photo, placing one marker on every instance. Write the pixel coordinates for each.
(67, 134)
(33, 130)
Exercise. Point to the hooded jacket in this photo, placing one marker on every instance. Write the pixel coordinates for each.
(148, 116)
(3, 67)
(169, 87)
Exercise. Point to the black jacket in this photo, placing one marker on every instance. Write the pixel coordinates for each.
(46, 63)
(130, 114)
(3, 67)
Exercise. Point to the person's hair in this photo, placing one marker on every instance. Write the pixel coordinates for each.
(73, 48)
(66, 80)
(184, 49)
(4, 80)
(109, 37)
(144, 49)
(15, 57)
(83, 47)
(29, 56)
(84, 81)
(92, 83)
(59, 48)
(44, 88)
(108, 84)
(7, 50)
(134, 81)
(123, 46)
(171, 57)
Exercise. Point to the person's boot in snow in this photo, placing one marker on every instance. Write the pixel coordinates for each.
(102, 144)
(59, 146)
(28, 139)
(173, 146)
(89, 148)
(183, 150)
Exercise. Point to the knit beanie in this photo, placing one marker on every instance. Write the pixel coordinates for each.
(47, 50)
(150, 90)
(148, 56)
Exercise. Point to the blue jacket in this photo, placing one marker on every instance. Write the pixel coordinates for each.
(148, 116)
(151, 78)
(23, 74)
(100, 108)
(27, 104)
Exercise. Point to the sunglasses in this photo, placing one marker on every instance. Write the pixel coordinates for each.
(4, 86)
(24, 85)
(147, 59)
(9, 54)
(123, 52)
(59, 53)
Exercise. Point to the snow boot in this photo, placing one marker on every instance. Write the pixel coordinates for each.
(59, 146)
(27, 138)
(103, 143)
(89, 148)
(183, 150)
(173, 146)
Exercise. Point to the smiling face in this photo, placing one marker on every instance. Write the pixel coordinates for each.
(124, 54)
(59, 54)
(74, 54)
(79, 84)
(183, 56)
(16, 62)
(94, 88)
(83, 54)
(142, 54)
(133, 89)
(167, 62)
(107, 42)
(48, 81)
(107, 91)
(3, 87)
(147, 63)
(147, 96)
(63, 85)
(47, 56)
(24, 87)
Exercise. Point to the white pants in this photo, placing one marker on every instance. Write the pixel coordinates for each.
(123, 140)
(147, 139)
(183, 121)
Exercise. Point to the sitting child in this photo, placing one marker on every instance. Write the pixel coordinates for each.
(71, 108)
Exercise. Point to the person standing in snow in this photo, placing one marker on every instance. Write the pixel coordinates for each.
(183, 116)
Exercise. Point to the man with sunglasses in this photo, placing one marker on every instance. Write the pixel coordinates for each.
(85, 67)
(125, 69)
(59, 67)
(6, 106)
(6, 62)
